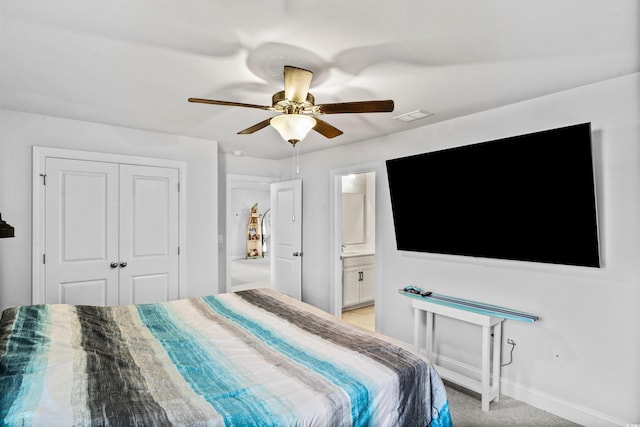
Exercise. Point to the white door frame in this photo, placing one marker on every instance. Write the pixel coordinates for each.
(335, 225)
(231, 181)
(40, 154)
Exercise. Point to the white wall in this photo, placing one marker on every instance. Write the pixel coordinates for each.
(590, 315)
(19, 132)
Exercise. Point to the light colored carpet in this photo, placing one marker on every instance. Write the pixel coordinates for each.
(465, 409)
(250, 273)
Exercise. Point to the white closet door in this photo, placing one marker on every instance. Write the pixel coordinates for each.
(148, 234)
(81, 237)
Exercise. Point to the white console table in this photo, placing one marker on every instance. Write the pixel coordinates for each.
(489, 317)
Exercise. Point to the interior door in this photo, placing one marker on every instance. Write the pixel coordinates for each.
(111, 233)
(286, 237)
(148, 260)
(81, 239)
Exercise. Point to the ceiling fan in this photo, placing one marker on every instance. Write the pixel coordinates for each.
(298, 108)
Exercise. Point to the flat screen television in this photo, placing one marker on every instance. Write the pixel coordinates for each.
(527, 198)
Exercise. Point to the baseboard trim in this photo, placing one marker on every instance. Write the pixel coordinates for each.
(560, 407)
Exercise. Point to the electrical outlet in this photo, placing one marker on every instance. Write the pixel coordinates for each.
(556, 354)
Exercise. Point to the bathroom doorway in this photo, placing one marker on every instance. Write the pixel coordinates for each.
(354, 244)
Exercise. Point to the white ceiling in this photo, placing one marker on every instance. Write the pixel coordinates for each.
(134, 63)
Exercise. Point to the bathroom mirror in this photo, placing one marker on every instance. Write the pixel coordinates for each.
(352, 218)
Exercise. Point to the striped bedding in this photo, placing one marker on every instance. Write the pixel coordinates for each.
(251, 358)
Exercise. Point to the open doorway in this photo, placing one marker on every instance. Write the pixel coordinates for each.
(245, 270)
(354, 244)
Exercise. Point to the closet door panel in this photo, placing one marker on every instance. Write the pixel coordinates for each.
(87, 292)
(149, 288)
(81, 239)
(148, 234)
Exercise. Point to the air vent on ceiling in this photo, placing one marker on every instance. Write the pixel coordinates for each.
(414, 115)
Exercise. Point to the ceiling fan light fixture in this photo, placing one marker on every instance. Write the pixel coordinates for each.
(296, 105)
(293, 127)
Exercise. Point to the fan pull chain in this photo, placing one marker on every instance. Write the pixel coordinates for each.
(295, 171)
(295, 160)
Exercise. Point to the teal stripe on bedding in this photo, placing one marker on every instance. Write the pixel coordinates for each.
(442, 417)
(26, 355)
(205, 375)
(359, 395)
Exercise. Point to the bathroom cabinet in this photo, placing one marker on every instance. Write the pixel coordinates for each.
(358, 280)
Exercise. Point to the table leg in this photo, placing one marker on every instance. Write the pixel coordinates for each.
(486, 366)
(430, 335)
(497, 358)
(417, 327)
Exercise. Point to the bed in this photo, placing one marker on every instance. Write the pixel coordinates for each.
(250, 358)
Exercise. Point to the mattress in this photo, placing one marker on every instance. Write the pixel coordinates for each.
(250, 358)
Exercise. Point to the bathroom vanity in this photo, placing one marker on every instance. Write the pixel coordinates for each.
(358, 270)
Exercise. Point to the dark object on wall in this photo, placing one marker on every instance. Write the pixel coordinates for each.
(528, 198)
(5, 229)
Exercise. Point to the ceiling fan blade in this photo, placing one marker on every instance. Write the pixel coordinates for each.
(325, 129)
(229, 103)
(256, 127)
(385, 106)
(296, 83)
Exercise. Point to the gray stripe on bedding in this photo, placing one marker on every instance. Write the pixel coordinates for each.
(337, 400)
(6, 326)
(405, 364)
(116, 389)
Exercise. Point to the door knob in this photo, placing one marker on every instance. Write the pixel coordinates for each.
(123, 264)
(113, 265)
(297, 254)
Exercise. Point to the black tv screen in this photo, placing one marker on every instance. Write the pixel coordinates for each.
(527, 198)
